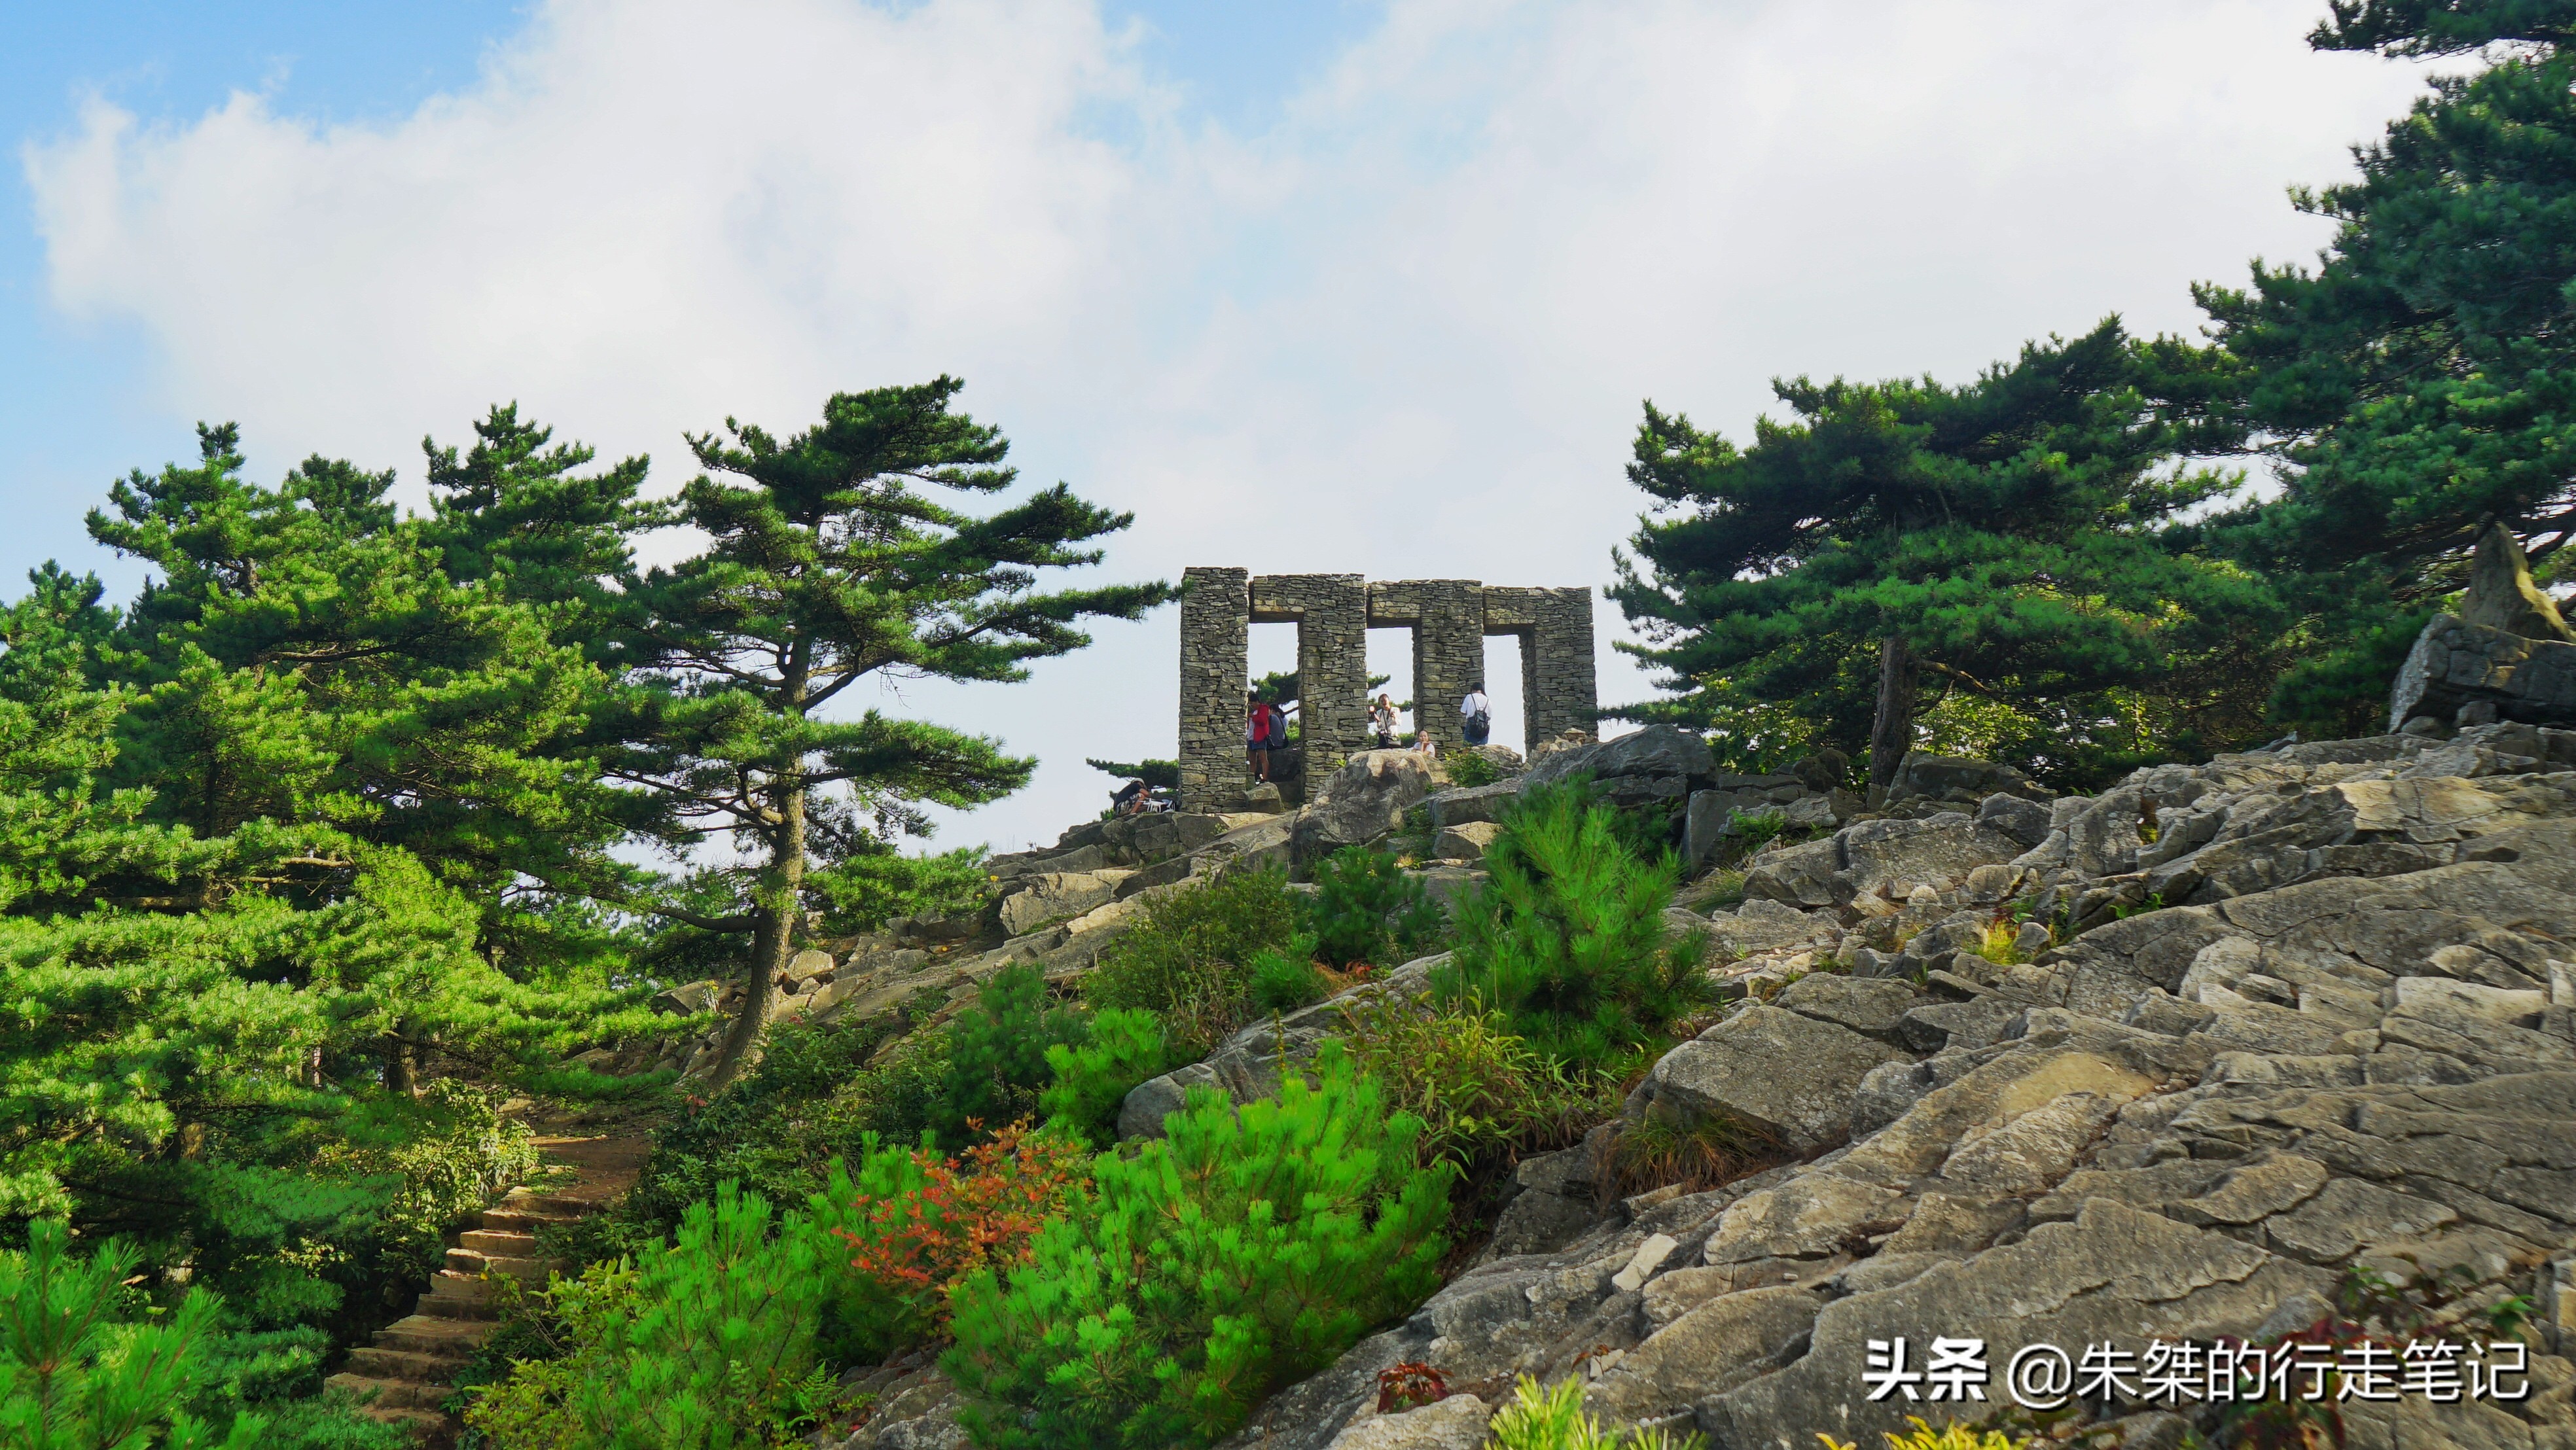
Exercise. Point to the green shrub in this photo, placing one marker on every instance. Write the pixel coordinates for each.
(811, 1099)
(1243, 1251)
(1567, 937)
(1554, 1419)
(997, 1054)
(451, 1152)
(1091, 1080)
(1285, 980)
(865, 891)
(1484, 1095)
(1466, 768)
(1368, 909)
(1188, 960)
(74, 1375)
(709, 1342)
(1703, 1152)
(1747, 834)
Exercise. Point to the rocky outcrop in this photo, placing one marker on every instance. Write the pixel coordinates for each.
(2339, 1032)
(2462, 672)
(2507, 655)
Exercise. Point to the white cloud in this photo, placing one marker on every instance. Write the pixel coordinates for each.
(1403, 332)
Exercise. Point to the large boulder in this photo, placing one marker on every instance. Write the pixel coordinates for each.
(1791, 1075)
(1657, 752)
(1805, 876)
(1359, 803)
(2456, 665)
(1143, 840)
(1466, 805)
(1891, 857)
(1924, 780)
(1041, 897)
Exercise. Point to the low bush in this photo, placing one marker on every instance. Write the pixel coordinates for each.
(1703, 1152)
(1554, 1419)
(917, 1224)
(1954, 1435)
(1285, 979)
(997, 1054)
(813, 1097)
(1188, 961)
(451, 1152)
(1467, 769)
(1243, 1251)
(1484, 1095)
(1092, 1079)
(1567, 938)
(1368, 909)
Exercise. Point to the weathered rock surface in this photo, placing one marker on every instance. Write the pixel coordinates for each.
(1656, 752)
(1359, 803)
(1776, 1070)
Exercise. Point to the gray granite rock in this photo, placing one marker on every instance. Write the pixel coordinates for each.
(1359, 803)
(1772, 1069)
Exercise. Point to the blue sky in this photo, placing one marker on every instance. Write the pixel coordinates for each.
(1319, 287)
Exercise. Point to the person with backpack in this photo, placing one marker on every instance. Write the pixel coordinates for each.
(1382, 720)
(1476, 714)
(1265, 728)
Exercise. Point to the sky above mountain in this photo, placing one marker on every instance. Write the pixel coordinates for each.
(1332, 287)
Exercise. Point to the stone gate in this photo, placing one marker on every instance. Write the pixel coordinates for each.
(1450, 620)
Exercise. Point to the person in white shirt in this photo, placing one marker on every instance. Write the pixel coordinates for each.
(1382, 720)
(1476, 714)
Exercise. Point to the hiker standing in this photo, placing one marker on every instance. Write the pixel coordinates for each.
(1382, 718)
(1257, 730)
(1476, 714)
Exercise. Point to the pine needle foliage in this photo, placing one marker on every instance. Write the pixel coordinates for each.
(1567, 937)
(2417, 377)
(1243, 1251)
(75, 1374)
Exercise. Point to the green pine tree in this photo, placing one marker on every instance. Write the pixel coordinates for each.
(2419, 379)
(2000, 537)
(831, 562)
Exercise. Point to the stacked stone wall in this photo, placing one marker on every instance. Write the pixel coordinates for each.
(1450, 620)
(1216, 618)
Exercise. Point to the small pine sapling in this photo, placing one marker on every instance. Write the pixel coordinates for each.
(1242, 1251)
(1093, 1078)
(1567, 938)
(1368, 909)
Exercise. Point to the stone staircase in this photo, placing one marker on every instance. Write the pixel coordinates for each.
(411, 1367)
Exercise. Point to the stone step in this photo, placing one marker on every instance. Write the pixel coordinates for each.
(472, 1261)
(534, 1200)
(521, 1221)
(392, 1394)
(435, 1335)
(458, 1296)
(375, 1361)
(499, 1241)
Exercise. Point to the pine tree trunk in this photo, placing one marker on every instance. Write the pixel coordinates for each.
(402, 1072)
(781, 897)
(1891, 734)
